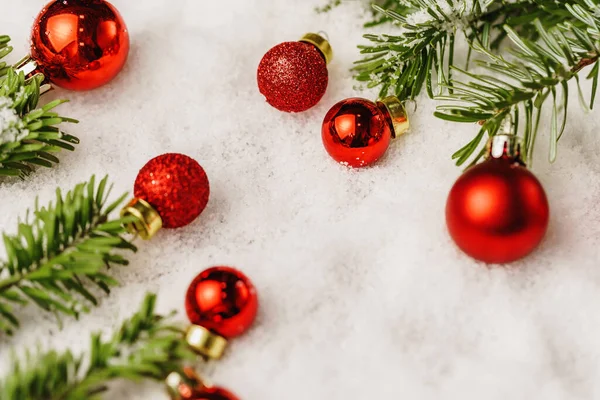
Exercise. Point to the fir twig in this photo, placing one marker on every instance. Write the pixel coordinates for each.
(5, 49)
(145, 347)
(65, 247)
(538, 73)
(28, 135)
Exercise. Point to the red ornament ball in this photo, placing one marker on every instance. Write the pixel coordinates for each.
(176, 186)
(79, 44)
(213, 393)
(222, 300)
(293, 76)
(497, 211)
(356, 132)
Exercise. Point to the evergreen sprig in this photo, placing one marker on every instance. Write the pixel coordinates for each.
(147, 346)
(28, 135)
(537, 73)
(5, 49)
(67, 246)
(422, 54)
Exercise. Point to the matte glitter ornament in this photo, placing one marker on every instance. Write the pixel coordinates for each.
(497, 211)
(189, 386)
(293, 76)
(221, 303)
(78, 44)
(357, 132)
(170, 191)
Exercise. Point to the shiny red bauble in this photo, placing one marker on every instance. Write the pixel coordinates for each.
(497, 211)
(79, 44)
(176, 186)
(213, 393)
(293, 76)
(357, 132)
(222, 300)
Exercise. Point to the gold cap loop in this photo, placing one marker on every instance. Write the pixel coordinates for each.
(506, 146)
(205, 343)
(147, 221)
(183, 386)
(397, 114)
(320, 43)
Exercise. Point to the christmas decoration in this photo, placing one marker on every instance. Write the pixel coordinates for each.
(357, 132)
(190, 386)
(170, 191)
(497, 211)
(221, 303)
(28, 135)
(78, 44)
(147, 346)
(54, 258)
(293, 75)
(550, 43)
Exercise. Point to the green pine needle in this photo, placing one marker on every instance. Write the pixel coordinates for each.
(146, 346)
(5, 49)
(29, 135)
(518, 87)
(66, 247)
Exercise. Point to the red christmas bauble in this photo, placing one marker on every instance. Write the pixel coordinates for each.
(356, 132)
(79, 44)
(176, 186)
(222, 300)
(293, 76)
(497, 211)
(213, 393)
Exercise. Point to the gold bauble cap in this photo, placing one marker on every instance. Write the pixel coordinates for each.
(320, 43)
(397, 114)
(147, 221)
(182, 385)
(205, 343)
(506, 146)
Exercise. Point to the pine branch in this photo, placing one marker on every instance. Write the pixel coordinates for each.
(145, 347)
(5, 49)
(377, 19)
(422, 54)
(55, 258)
(28, 135)
(537, 73)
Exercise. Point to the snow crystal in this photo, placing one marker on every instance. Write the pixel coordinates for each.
(11, 126)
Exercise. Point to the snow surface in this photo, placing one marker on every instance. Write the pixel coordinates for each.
(363, 294)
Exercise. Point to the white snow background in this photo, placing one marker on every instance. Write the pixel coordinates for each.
(363, 295)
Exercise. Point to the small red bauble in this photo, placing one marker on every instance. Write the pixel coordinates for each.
(222, 300)
(79, 44)
(357, 132)
(497, 211)
(213, 393)
(293, 75)
(176, 186)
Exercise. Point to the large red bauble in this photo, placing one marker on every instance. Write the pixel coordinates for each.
(213, 393)
(176, 186)
(497, 211)
(356, 132)
(293, 76)
(79, 44)
(222, 300)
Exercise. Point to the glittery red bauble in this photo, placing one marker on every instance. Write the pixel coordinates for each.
(356, 132)
(222, 300)
(176, 186)
(497, 211)
(79, 44)
(293, 76)
(214, 393)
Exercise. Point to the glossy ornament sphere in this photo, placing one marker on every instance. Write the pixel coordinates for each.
(176, 186)
(222, 300)
(497, 211)
(79, 44)
(357, 132)
(293, 76)
(213, 393)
